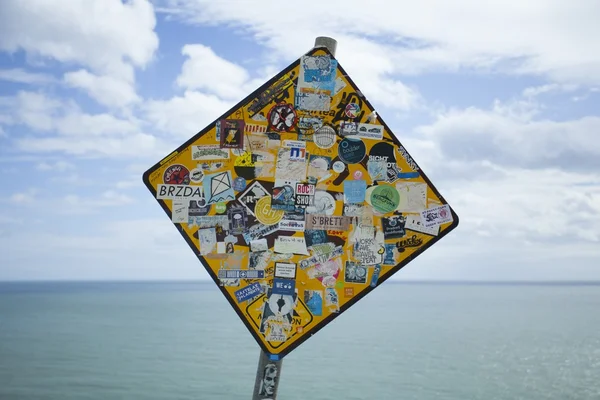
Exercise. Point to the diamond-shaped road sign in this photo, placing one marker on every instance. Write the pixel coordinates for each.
(299, 201)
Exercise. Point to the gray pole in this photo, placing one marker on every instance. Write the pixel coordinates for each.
(269, 371)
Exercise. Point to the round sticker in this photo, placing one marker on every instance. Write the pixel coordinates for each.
(385, 198)
(352, 150)
(339, 166)
(196, 175)
(176, 174)
(265, 214)
(352, 110)
(357, 175)
(324, 137)
(239, 184)
(220, 208)
(324, 203)
(282, 117)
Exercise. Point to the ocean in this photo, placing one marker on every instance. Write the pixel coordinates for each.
(421, 341)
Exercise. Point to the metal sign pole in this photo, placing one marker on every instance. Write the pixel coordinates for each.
(269, 371)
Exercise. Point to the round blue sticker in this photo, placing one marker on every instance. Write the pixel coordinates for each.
(239, 184)
(352, 150)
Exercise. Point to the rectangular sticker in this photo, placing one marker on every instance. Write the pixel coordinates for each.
(413, 196)
(179, 215)
(285, 287)
(232, 133)
(415, 223)
(436, 216)
(321, 258)
(327, 222)
(285, 270)
(209, 152)
(305, 194)
(173, 192)
(248, 292)
(370, 131)
(209, 221)
(240, 274)
(314, 301)
(259, 245)
(258, 231)
(290, 244)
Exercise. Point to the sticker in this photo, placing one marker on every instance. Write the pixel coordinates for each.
(324, 137)
(254, 192)
(413, 196)
(385, 198)
(393, 227)
(294, 143)
(239, 184)
(248, 292)
(375, 276)
(390, 255)
(172, 192)
(352, 110)
(277, 307)
(315, 236)
(265, 214)
(355, 273)
(411, 163)
(292, 221)
(357, 175)
(208, 240)
(348, 292)
(238, 218)
(240, 274)
(412, 241)
(259, 231)
(209, 152)
(369, 251)
(196, 175)
(290, 245)
(288, 167)
(382, 163)
(324, 203)
(283, 196)
(415, 223)
(259, 245)
(252, 128)
(332, 299)
(408, 175)
(351, 150)
(318, 166)
(176, 175)
(354, 191)
(267, 96)
(327, 222)
(321, 258)
(314, 301)
(179, 214)
(348, 128)
(209, 221)
(284, 287)
(220, 208)
(285, 270)
(339, 86)
(436, 216)
(305, 194)
(339, 166)
(282, 117)
(232, 133)
(370, 131)
(219, 187)
(268, 381)
(259, 259)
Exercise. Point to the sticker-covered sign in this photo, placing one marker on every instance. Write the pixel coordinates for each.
(299, 201)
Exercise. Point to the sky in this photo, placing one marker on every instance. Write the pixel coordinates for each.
(497, 101)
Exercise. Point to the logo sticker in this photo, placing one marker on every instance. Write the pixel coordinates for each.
(385, 198)
(176, 174)
(265, 214)
(352, 110)
(324, 137)
(351, 150)
(282, 117)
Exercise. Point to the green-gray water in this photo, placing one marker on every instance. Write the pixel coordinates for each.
(101, 341)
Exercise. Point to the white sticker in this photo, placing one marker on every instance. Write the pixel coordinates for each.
(370, 131)
(414, 223)
(173, 192)
(290, 244)
(259, 245)
(339, 166)
(209, 152)
(294, 143)
(413, 196)
(285, 270)
(436, 216)
(179, 215)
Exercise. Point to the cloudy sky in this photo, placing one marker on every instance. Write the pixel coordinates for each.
(498, 102)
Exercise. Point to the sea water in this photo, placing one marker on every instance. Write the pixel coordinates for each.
(100, 341)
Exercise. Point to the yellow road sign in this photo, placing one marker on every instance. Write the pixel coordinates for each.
(299, 201)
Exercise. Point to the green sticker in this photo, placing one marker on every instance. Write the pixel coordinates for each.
(385, 198)
(339, 284)
(220, 208)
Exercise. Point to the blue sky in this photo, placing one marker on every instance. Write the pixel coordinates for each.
(499, 103)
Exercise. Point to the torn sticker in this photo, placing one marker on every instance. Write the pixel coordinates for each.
(208, 240)
(327, 222)
(258, 231)
(259, 245)
(375, 276)
(209, 152)
(290, 244)
(332, 300)
(314, 301)
(413, 196)
(324, 203)
(284, 195)
(354, 191)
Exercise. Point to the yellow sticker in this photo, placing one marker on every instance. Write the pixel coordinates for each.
(265, 214)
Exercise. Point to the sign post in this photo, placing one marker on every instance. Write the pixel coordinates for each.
(298, 202)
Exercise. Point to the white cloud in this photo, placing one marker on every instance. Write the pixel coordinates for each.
(430, 35)
(184, 116)
(76, 204)
(24, 198)
(59, 166)
(20, 75)
(109, 36)
(205, 70)
(106, 90)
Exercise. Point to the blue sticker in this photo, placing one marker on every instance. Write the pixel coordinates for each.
(239, 184)
(407, 175)
(375, 276)
(217, 188)
(248, 292)
(389, 259)
(352, 150)
(284, 286)
(240, 274)
(354, 191)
